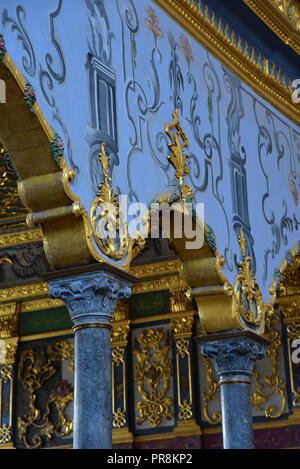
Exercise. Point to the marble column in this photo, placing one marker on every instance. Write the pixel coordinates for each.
(233, 355)
(90, 298)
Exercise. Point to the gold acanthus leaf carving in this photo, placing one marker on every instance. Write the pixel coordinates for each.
(179, 141)
(182, 325)
(180, 300)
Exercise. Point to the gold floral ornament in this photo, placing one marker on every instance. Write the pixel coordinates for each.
(109, 227)
(152, 25)
(153, 371)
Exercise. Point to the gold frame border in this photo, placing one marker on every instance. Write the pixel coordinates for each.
(20, 237)
(254, 73)
(277, 21)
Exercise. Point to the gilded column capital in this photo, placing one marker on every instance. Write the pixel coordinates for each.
(90, 296)
(182, 325)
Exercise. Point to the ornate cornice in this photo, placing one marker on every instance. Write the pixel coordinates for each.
(265, 79)
(275, 14)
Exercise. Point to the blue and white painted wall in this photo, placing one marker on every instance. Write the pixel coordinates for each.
(114, 71)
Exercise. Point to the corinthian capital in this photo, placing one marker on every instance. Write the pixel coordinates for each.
(90, 297)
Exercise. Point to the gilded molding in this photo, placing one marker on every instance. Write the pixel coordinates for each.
(40, 304)
(156, 268)
(24, 291)
(165, 283)
(257, 74)
(21, 237)
(275, 14)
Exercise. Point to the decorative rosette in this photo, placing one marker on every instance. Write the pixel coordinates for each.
(57, 148)
(29, 96)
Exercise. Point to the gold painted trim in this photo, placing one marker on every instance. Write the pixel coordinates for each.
(270, 85)
(122, 435)
(45, 335)
(187, 428)
(8, 62)
(156, 268)
(24, 291)
(164, 283)
(21, 237)
(277, 21)
(40, 304)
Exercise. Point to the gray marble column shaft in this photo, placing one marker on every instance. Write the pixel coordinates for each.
(234, 356)
(91, 298)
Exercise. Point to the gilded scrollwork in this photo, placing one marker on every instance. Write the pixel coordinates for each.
(273, 381)
(272, 385)
(108, 225)
(153, 371)
(36, 367)
(119, 413)
(211, 393)
(6, 389)
(185, 405)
